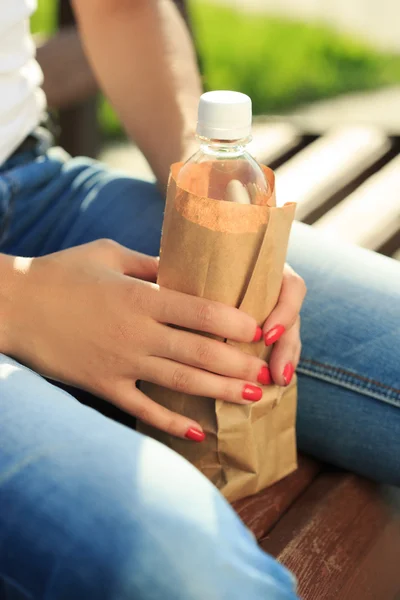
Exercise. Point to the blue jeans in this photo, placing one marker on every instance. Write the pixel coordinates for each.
(91, 509)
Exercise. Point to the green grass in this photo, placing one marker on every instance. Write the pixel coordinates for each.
(279, 63)
(44, 19)
(282, 63)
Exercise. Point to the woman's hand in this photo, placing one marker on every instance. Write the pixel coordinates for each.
(282, 328)
(91, 317)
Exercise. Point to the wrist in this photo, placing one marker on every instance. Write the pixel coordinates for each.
(12, 270)
(190, 145)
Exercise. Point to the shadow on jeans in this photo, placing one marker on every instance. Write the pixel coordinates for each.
(102, 406)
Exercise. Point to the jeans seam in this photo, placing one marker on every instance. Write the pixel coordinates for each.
(354, 381)
(9, 187)
(13, 182)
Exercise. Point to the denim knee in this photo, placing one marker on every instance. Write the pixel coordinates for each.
(91, 509)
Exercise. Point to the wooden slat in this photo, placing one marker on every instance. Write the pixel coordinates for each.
(326, 165)
(261, 511)
(342, 541)
(371, 214)
(272, 140)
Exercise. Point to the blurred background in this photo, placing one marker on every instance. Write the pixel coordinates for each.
(324, 77)
(283, 53)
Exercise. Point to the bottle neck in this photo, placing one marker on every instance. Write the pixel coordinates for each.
(229, 148)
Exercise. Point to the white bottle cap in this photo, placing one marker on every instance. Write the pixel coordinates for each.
(224, 115)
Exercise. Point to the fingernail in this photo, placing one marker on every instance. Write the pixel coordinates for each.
(252, 392)
(195, 435)
(264, 376)
(274, 334)
(288, 373)
(258, 335)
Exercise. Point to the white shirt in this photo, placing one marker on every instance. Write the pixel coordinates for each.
(22, 102)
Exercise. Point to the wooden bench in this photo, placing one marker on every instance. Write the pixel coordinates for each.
(339, 533)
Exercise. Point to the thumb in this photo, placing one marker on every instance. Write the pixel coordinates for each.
(142, 266)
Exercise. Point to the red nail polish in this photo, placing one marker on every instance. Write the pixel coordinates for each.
(251, 392)
(288, 373)
(258, 335)
(195, 435)
(264, 376)
(274, 334)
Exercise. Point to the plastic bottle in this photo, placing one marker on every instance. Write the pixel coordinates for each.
(222, 169)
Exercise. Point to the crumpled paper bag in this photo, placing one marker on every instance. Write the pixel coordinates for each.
(235, 254)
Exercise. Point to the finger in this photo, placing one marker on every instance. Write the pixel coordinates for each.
(139, 265)
(285, 355)
(200, 314)
(189, 380)
(124, 260)
(133, 401)
(288, 307)
(211, 355)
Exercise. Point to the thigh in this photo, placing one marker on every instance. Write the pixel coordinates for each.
(116, 206)
(349, 378)
(57, 202)
(91, 509)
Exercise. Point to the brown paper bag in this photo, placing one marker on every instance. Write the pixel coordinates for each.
(235, 254)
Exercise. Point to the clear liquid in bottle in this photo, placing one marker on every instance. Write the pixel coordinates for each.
(222, 169)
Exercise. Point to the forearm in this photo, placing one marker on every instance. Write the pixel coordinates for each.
(144, 60)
